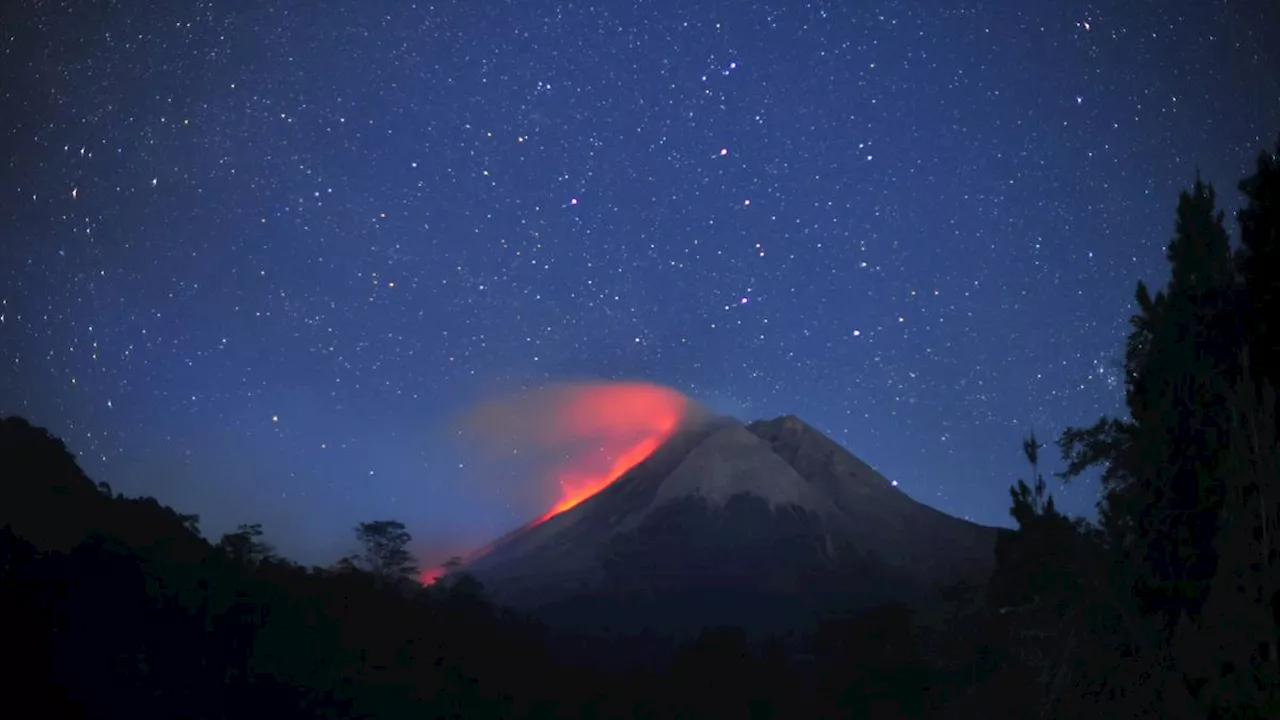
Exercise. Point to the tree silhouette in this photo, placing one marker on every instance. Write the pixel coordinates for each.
(1031, 502)
(1191, 478)
(245, 545)
(384, 549)
(1259, 260)
(1161, 500)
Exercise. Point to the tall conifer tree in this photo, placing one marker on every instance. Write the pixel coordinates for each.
(1259, 259)
(1162, 493)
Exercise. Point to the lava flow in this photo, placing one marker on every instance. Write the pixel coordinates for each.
(625, 422)
(575, 488)
(579, 436)
(592, 433)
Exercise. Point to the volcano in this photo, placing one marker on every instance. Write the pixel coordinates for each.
(730, 523)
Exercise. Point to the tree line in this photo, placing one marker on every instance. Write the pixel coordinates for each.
(118, 607)
(1168, 605)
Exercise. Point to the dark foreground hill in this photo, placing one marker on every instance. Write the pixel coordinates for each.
(118, 607)
(764, 526)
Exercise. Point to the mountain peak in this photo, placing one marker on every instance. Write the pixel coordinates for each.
(751, 510)
(733, 461)
(818, 458)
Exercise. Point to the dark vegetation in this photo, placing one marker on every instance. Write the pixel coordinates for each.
(1167, 606)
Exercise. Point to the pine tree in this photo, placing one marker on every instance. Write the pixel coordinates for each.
(1161, 495)
(1259, 261)
(1037, 591)
(1183, 407)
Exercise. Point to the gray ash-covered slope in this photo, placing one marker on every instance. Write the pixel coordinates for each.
(733, 523)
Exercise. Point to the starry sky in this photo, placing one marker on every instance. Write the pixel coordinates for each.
(255, 255)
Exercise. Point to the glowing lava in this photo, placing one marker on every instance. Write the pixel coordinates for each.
(431, 575)
(625, 422)
(575, 488)
(593, 433)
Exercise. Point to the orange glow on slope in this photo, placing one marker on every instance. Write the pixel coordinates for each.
(590, 433)
(625, 422)
(575, 489)
(431, 575)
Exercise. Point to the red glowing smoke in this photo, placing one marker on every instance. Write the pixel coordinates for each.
(595, 431)
(626, 422)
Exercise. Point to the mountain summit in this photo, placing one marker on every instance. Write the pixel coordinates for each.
(727, 522)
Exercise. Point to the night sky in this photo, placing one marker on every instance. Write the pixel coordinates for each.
(256, 257)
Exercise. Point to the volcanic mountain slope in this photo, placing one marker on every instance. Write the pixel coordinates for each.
(733, 523)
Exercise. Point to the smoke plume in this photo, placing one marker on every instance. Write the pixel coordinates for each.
(581, 436)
